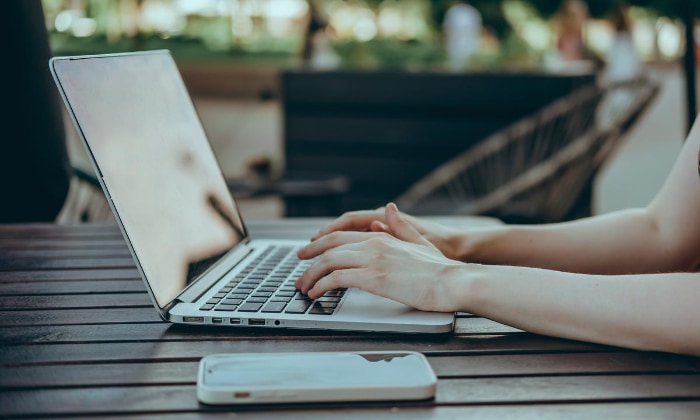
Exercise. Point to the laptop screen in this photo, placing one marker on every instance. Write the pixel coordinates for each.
(156, 162)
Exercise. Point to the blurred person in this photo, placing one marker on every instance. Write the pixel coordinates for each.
(317, 50)
(462, 31)
(623, 62)
(571, 20)
(627, 278)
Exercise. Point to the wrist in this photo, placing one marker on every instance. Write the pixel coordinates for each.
(460, 281)
(479, 245)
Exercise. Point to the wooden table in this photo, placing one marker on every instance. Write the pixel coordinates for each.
(79, 337)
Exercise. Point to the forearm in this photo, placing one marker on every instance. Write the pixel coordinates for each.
(630, 241)
(658, 312)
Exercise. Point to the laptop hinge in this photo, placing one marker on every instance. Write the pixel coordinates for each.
(215, 273)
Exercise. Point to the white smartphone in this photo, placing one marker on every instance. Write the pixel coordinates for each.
(314, 377)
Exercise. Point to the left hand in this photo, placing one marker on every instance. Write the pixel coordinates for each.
(404, 267)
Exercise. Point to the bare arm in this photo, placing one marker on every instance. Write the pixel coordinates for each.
(643, 311)
(406, 260)
(663, 237)
(658, 312)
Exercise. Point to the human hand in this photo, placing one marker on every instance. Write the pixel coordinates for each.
(444, 238)
(403, 266)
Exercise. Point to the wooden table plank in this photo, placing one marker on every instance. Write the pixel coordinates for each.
(95, 316)
(72, 287)
(174, 398)
(74, 301)
(116, 242)
(140, 332)
(66, 253)
(69, 274)
(678, 410)
(473, 366)
(20, 264)
(157, 350)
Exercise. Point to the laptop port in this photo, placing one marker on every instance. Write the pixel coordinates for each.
(235, 321)
(193, 319)
(254, 321)
(216, 320)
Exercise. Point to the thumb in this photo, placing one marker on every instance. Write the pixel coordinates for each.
(401, 228)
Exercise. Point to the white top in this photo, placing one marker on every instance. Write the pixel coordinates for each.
(462, 27)
(623, 62)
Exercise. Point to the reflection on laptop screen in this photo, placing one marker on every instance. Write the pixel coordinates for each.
(154, 157)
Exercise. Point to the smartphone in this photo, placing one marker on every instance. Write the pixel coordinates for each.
(314, 377)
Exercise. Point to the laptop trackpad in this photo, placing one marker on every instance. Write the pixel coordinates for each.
(361, 305)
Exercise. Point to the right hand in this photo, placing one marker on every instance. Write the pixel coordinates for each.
(444, 238)
(404, 267)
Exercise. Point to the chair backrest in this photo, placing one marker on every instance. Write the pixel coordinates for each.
(384, 130)
(537, 169)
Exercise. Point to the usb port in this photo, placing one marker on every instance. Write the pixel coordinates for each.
(254, 321)
(193, 319)
(216, 320)
(235, 321)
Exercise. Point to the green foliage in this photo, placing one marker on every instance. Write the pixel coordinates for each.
(388, 53)
(547, 8)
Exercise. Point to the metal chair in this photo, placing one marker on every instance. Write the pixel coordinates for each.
(536, 170)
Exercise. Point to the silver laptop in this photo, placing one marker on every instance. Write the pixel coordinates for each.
(181, 223)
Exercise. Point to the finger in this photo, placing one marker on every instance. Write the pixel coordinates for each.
(401, 228)
(377, 226)
(325, 264)
(350, 277)
(352, 221)
(330, 241)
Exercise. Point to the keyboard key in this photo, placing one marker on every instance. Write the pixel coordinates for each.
(213, 301)
(323, 308)
(298, 307)
(317, 310)
(232, 301)
(280, 299)
(225, 308)
(257, 299)
(206, 307)
(238, 295)
(328, 299)
(288, 294)
(262, 294)
(300, 296)
(250, 283)
(272, 283)
(250, 307)
(275, 307)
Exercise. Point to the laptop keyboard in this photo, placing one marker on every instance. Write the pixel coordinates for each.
(266, 285)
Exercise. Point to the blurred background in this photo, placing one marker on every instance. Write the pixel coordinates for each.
(315, 107)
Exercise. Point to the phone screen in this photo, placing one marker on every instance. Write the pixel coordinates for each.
(316, 370)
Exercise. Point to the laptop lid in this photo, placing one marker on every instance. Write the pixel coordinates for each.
(155, 164)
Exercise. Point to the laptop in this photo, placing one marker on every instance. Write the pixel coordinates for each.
(180, 222)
